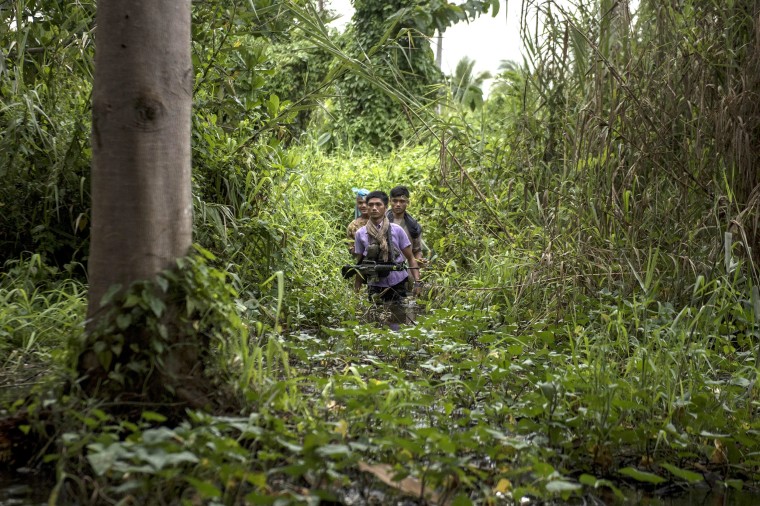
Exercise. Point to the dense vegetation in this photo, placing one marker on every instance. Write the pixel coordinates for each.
(589, 321)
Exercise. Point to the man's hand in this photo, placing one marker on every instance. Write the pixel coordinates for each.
(357, 282)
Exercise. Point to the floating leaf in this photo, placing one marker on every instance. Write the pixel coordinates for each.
(684, 474)
(642, 476)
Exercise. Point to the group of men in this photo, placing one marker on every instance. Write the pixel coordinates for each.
(386, 236)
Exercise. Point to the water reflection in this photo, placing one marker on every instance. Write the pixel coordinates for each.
(393, 314)
(697, 497)
(21, 489)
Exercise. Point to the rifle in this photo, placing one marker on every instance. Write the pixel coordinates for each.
(370, 271)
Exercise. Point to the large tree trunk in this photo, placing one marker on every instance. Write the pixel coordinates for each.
(142, 205)
(142, 96)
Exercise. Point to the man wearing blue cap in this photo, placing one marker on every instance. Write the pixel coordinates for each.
(361, 215)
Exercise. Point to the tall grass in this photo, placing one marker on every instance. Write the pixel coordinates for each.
(41, 312)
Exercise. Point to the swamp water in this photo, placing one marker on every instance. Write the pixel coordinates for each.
(23, 490)
(30, 490)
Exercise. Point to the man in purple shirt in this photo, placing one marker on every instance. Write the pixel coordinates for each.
(384, 242)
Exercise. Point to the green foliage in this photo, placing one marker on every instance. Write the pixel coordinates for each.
(466, 88)
(469, 406)
(317, 207)
(439, 15)
(44, 120)
(590, 323)
(39, 313)
(151, 336)
(301, 73)
(399, 55)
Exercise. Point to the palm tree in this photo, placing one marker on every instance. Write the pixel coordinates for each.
(466, 88)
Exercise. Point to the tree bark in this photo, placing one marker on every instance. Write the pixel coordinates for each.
(439, 50)
(141, 186)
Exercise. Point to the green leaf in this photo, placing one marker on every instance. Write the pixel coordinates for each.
(152, 416)
(157, 305)
(324, 139)
(206, 489)
(105, 357)
(204, 252)
(495, 8)
(558, 486)
(163, 283)
(160, 459)
(735, 484)
(103, 459)
(123, 320)
(684, 474)
(642, 476)
(333, 450)
(132, 300)
(543, 469)
(110, 294)
(608, 484)
(714, 435)
(547, 336)
(587, 479)
(273, 106)
(461, 500)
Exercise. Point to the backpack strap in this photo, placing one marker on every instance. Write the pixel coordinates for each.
(392, 248)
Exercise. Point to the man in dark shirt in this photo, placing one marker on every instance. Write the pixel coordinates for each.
(398, 215)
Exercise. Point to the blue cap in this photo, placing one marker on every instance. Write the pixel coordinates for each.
(359, 192)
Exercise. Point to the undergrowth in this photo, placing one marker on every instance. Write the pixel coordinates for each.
(473, 405)
(470, 409)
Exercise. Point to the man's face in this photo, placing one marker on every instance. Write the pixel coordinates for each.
(376, 207)
(361, 205)
(398, 204)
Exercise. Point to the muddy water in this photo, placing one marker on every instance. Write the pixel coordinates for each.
(394, 315)
(23, 490)
(30, 490)
(700, 497)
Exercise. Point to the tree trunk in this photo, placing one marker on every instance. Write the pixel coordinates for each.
(141, 206)
(439, 63)
(142, 97)
(439, 50)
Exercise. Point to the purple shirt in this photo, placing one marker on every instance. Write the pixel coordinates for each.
(399, 238)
